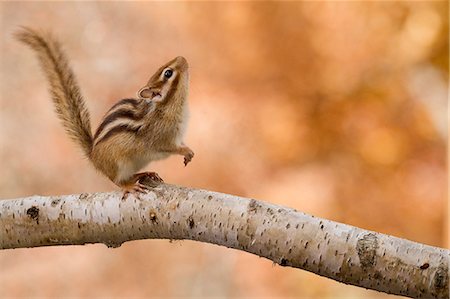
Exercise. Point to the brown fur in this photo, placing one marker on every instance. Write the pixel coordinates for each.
(66, 95)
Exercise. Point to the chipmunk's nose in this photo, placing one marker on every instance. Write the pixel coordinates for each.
(181, 60)
(182, 63)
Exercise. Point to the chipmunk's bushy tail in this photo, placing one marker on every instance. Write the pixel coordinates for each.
(66, 95)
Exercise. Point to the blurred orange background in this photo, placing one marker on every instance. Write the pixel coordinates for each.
(337, 109)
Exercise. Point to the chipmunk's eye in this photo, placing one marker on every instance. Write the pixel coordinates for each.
(168, 73)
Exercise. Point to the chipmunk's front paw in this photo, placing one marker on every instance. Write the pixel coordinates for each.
(188, 157)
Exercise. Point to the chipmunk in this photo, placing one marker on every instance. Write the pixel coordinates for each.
(133, 132)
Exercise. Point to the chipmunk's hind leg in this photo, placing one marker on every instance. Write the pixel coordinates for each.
(148, 179)
(140, 183)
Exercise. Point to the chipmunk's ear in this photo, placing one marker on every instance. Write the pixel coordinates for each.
(144, 93)
(149, 94)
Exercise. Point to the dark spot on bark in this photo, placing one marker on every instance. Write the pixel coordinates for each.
(191, 222)
(33, 213)
(55, 202)
(283, 262)
(441, 277)
(321, 227)
(83, 196)
(425, 266)
(288, 225)
(367, 250)
(209, 197)
(378, 275)
(153, 217)
(253, 206)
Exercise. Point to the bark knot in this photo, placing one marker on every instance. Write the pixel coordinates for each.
(55, 202)
(367, 250)
(253, 206)
(33, 213)
(283, 262)
(191, 222)
(153, 217)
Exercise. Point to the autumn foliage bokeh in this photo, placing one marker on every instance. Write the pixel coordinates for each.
(337, 109)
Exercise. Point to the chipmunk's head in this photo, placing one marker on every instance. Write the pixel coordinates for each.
(170, 82)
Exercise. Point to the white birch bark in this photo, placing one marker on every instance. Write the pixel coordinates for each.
(289, 238)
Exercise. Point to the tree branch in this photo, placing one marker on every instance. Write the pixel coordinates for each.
(289, 238)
